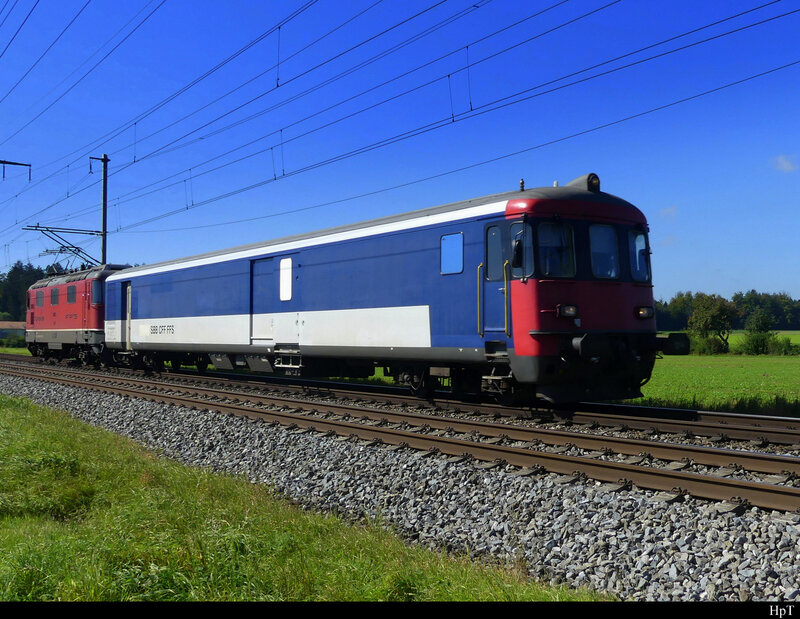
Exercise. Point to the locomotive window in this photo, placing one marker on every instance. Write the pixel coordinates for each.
(522, 237)
(97, 292)
(39, 298)
(54, 296)
(452, 254)
(640, 258)
(494, 253)
(71, 294)
(556, 249)
(605, 252)
(286, 279)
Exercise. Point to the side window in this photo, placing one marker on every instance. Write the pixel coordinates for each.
(286, 279)
(71, 294)
(640, 258)
(522, 242)
(97, 292)
(556, 249)
(39, 298)
(452, 254)
(54, 296)
(494, 253)
(604, 250)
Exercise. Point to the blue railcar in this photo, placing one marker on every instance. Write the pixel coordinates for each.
(466, 292)
(350, 296)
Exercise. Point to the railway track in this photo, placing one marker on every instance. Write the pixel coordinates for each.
(672, 420)
(621, 461)
(718, 427)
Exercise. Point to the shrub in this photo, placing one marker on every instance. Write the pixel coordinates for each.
(757, 343)
(767, 344)
(782, 345)
(707, 345)
(14, 341)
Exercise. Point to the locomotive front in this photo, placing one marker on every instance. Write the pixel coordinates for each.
(581, 294)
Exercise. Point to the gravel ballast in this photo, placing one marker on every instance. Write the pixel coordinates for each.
(581, 534)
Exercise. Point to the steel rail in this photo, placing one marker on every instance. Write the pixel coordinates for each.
(710, 456)
(780, 430)
(632, 416)
(764, 495)
(741, 430)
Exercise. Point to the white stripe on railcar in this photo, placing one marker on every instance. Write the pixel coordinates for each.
(398, 327)
(417, 222)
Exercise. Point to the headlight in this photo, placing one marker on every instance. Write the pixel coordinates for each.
(567, 311)
(644, 312)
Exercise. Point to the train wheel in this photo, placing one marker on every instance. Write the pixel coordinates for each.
(201, 363)
(106, 359)
(423, 386)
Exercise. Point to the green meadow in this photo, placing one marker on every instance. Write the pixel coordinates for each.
(89, 515)
(739, 383)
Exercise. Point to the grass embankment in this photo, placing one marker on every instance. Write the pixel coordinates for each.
(738, 383)
(88, 515)
(15, 351)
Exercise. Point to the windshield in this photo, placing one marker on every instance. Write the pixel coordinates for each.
(604, 250)
(556, 249)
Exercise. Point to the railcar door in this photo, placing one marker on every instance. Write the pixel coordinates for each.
(262, 301)
(31, 311)
(494, 304)
(125, 327)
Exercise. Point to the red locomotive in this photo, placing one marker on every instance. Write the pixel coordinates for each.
(66, 314)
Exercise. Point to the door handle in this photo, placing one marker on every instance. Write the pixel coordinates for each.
(480, 287)
(505, 293)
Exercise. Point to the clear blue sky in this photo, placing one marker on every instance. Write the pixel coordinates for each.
(716, 176)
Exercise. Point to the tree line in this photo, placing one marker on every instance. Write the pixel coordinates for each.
(710, 319)
(13, 287)
(782, 312)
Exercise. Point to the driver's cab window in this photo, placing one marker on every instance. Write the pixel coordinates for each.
(521, 250)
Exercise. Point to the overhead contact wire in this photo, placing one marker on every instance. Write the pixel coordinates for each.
(483, 109)
(456, 170)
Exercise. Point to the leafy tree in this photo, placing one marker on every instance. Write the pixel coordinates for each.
(674, 315)
(758, 337)
(759, 321)
(712, 316)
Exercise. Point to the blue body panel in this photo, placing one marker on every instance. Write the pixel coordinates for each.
(397, 269)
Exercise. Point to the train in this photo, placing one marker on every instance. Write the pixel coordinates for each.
(540, 293)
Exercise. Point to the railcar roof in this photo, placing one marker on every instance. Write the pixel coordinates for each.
(570, 193)
(76, 276)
